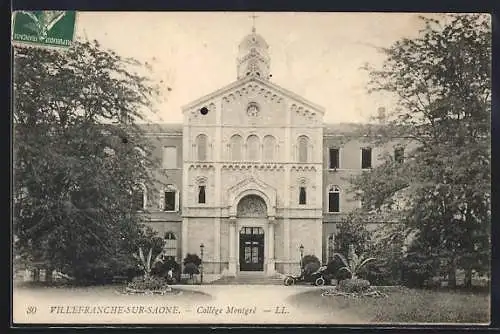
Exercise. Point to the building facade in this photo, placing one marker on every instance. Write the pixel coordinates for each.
(254, 173)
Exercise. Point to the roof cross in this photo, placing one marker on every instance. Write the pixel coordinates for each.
(253, 16)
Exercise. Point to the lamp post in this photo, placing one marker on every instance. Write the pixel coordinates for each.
(301, 249)
(201, 264)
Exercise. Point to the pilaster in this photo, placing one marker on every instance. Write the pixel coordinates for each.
(232, 246)
(271, 268)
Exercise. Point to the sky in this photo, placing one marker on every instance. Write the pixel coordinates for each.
(316, 55)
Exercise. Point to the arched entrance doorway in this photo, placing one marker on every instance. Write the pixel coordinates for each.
(252, 218)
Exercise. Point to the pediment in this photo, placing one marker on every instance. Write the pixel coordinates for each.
(252, 186)
(248, 85)
(251, 183)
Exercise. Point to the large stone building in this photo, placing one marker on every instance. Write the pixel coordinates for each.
(253, 173)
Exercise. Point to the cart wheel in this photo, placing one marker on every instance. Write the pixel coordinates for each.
(289, 281)
(319, 281)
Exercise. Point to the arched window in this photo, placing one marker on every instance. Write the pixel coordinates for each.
(139, 197)
(201, 181)
(202, 194)
(201, 147)
(269, 148)
(236, 147)
(333, 199)
(253, 148)
(302, 195)
(302, 191)
(170, 246)
(303, 145)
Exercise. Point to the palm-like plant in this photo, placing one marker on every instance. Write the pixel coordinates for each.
(145, 262)
(355, 263)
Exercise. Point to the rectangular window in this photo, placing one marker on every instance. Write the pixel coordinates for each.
(334, 158)
(302, 195)
(201, 194)
(170, 157)
(366, 158)
(169, 201)
(333, 202)
(170, 246)
(399, 155)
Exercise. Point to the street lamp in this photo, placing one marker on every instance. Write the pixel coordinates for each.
(301, 249)
(202, 246)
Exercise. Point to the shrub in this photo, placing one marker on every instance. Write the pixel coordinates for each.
(191, 269)
(310, 259)
(333, 269)
(416, 270)
(102, 272)
(162, 268)
(311, 267)
(381, 272)
(151, 283)
(94, 275)
(353, 285)
(192, 258)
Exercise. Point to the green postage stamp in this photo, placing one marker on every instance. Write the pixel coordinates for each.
(47, 27)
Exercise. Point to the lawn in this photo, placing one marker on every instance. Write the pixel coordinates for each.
(403, 306)
(112, 293)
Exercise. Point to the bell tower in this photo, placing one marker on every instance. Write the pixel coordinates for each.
(253, 56)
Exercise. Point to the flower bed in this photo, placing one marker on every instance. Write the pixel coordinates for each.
(149, 286)
(353, 285)
(368, 292)
(166, 291)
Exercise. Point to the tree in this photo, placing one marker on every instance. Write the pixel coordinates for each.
(352, 231)
(79, 157)
(145, 262)
(441, 82)
(192, 258)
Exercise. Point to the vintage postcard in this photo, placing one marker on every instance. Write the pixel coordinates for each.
(251, 168)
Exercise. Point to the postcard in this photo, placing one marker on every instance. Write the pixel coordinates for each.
(251, 168)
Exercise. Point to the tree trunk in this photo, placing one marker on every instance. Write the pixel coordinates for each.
(468, 278)
(36, 275)
(452, 274)
(48, 275)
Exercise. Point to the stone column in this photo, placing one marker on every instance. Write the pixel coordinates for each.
(232, 246)
(271, 268)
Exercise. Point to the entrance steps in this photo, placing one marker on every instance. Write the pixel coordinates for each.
(250, 278)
